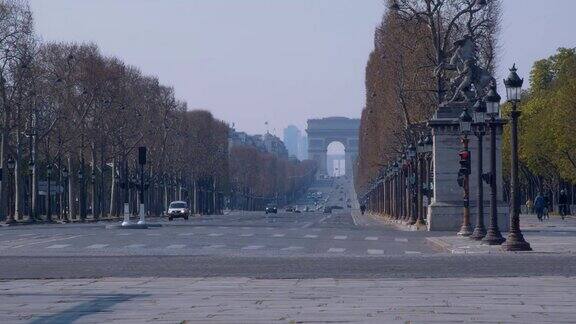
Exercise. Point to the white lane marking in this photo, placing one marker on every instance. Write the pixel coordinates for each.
(375, 252)
(48, 241)
(252, 247)
(246, 228)
(185, 234)
(124, 234)
(371, 238)
(291, 248)
(223, 227)
(135, 246)
(58, 246)
(401, 239)
(176, 246)
(97, 246)
(310, 236)
(412, 252)
(340, 237)
(247, 235)
(29, 234)
(278, 235)
(215, 234)
(153, 234)
(269, 228)
(336, 250)
(215, 246)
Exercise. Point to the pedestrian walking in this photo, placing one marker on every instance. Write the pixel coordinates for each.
(529, 206)
(539, 205)
(563, 204)
(362, 208)
(547, 207)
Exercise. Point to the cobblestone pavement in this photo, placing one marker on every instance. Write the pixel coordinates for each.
(554, 235)
(241, 300)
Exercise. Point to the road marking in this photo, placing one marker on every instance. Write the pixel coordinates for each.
(247, 235)
(176, 246)
(252, 247)
(135, 246)
(269, 228)
(215, 234)
(124, 234)
(153, 234)
(97, 246)
(246, 228)
(336, 250)
(185, 234)
(291, 248)
(371, 238)
(340, 237)
(48, 241)
(58, 246)
(310, 236)
(215, 246)
(401, 239)
(375, 252)
(29, 234)
(278, 235)
(412, 252)
(223, 227)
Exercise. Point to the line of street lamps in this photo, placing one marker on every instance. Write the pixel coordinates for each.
(398, 191)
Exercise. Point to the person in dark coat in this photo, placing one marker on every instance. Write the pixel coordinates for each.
(563, 204)
(539, 205)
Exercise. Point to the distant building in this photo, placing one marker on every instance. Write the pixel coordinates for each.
(264, 143)
(292, 137)
(303, 148)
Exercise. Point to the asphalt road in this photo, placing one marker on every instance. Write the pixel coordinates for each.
(252, 244)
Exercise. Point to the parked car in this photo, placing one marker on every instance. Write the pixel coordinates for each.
(271, 210)
(178, 209)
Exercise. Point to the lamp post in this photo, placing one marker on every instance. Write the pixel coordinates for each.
(48, 194)
(421, 151)
(480, 131)
(412, 184)
(63, 209)
(10, 164)
(464, 173)
(493, 235)
(81, 205)
(31, 214)
(515, 240)
(395, 185)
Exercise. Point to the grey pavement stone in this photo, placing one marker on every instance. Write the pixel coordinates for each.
(243, 300)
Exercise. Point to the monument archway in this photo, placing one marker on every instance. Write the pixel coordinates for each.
(322, 132)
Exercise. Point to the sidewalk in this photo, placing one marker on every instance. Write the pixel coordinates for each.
(242, 300)
(551, 236)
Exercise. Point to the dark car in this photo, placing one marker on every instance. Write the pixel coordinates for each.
(178, 209)
(271, 210)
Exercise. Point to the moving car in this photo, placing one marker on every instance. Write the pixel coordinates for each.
(178, 209)
(271, 210)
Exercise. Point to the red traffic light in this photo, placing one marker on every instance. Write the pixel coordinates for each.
(464, 155)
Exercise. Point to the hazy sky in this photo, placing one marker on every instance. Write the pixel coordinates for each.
(282, 61)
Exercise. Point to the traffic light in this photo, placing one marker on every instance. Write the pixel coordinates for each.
(464, 163)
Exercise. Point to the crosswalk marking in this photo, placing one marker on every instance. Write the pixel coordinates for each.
(215, 234)
(336, 250)
(278, 235)
(215, 246)
(291, 248)
(135, 246)
(310, 236)
(371, 238)
(401, 239)
(340, 237)
(97, 246)
(58, 246)
(252, 247)
(176, 246)
(375, 252)
(247, 235)
(412, 252)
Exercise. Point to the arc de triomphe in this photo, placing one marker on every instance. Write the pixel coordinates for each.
(322, 132)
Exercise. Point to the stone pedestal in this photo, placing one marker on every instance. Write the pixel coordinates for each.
(446, 208)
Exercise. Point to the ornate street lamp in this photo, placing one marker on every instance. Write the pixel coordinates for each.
(465, 121)
(515, 240)
(65, 174)
(480, 130)
(48, 193)
(493, 235)
(412, 184)
(11, 164)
